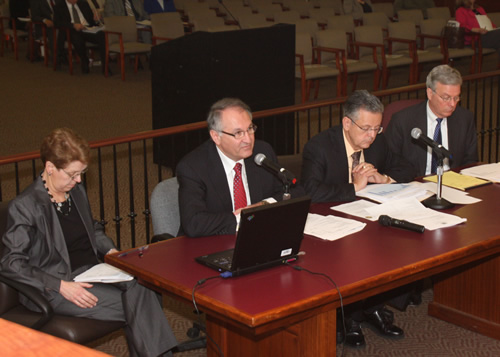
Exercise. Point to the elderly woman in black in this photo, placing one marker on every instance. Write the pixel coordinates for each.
(51, 238)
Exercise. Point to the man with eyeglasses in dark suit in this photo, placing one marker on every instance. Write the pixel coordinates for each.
(220, 177)
(438, 117)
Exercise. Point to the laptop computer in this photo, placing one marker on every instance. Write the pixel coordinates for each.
(268, 235)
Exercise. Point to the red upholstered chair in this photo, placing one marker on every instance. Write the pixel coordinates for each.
(395, 107)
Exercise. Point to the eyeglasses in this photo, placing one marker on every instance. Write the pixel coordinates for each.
(75, 175)
(241, 133)
(366, 129)
(448, 99)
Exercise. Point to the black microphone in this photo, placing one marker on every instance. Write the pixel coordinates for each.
(416, 134)
(262, 160)
(387, 221)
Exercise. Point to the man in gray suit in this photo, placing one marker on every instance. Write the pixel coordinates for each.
(439, 113)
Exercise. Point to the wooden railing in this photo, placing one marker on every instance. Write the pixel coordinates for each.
(122, 172)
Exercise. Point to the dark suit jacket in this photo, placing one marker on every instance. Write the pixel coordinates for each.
(62, 18)
(117, 8)
(204, 197)
(40, 10)
(35, 250)
(462, 139)
(325, 169)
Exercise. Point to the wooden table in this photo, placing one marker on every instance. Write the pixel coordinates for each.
(281, 311)
(17, 340)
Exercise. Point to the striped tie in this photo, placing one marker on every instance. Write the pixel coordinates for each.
(128, 8)
(240, 197)
(355, 162)
(437, 138)
(76, 18)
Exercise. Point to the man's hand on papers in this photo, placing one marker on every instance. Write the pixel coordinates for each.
(366, 173)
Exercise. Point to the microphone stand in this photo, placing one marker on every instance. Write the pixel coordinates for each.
(286, 187)
(437, 202)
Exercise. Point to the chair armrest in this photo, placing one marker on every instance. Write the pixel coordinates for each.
(159, 38)
(36, 297)
(412, 45)
(374, 47)
(339, 54)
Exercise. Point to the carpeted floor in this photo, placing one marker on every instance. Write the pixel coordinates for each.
(35, 99)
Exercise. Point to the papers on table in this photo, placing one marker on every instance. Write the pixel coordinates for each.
(143, 23)
(409, 209)
(388, 192)
(455, 180)
(103, 273)
(490, 172)
(331, 227)
(454, 196)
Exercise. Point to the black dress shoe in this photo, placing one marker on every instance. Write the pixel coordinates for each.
(354, 336)
(383, 325)
(415, 299)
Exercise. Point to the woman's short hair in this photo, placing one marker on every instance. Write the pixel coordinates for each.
(362, 99)
(215, 113)
(63, 146)
(443, 74)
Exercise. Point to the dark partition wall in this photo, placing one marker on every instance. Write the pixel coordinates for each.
(190, 73)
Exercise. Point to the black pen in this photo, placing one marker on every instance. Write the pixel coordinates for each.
(140, 250)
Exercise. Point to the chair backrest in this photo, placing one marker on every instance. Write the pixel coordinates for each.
(9, 297)
(343, 22)
(321, 15)
(252, 21)
(303, 46)
(286, 17)
(415, 16)
(331, 39)
(167, 24)
(309, 26)
(125, 25)
(404, 30)
(301, 6)
(375, 19)
(205, 23)
(268, 10)
(395, 107)
(439, 13)
(369, 34)
(335, 4)
(432, 27)
(386, 7)
(495, 18)
(165, 207)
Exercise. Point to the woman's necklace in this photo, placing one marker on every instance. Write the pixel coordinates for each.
(62, 207)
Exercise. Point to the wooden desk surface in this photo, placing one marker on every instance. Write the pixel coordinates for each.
(17, 340)
(374, 260)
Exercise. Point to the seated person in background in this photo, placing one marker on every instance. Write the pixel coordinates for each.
(51, 238)
(97, 7)
(439, 117)
(156, 6)
(342, 160)
(220, 177)
(413, 4)
(357, 8)
(474, 19)
(42, 11)
(77, 15)
(19, 8)
(125, 8)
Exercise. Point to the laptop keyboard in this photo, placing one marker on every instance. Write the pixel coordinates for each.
(225, 260)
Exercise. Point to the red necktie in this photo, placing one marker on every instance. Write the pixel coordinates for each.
(240, 197)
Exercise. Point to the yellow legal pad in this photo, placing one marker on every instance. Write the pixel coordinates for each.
(458, 181)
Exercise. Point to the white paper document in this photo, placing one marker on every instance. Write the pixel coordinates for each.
(490, 172)
(411, 210)
(331, 227)
(356, 208)
(388, 192)
(453, 195)
(103, 273)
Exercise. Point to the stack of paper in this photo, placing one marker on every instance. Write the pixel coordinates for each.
(331, 227)
(455, 180)
(490, 172)
(388, 192)
(103, 273)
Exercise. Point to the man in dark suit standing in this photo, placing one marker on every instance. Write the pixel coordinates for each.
(342, 160)
(220, 177)
(439, 118)
(77, 16)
